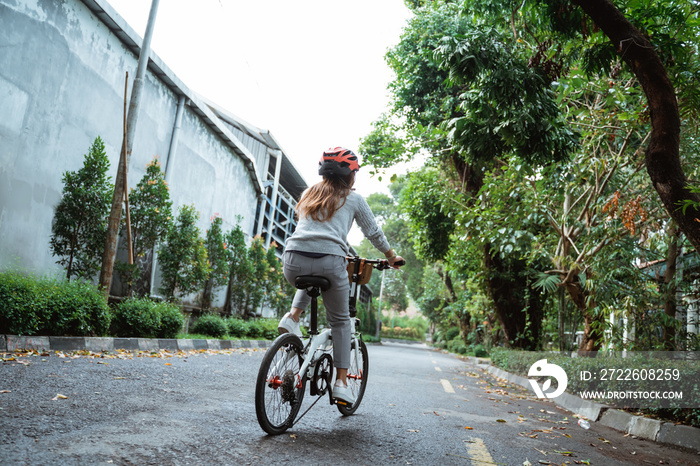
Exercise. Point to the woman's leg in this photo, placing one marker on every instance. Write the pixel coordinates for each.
(335, 300)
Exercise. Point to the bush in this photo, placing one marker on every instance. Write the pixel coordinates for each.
(269, 328)
(145, 318)
(480, 351)
(31, 306)
(75, 308)
(457, 346)
(136, 318)
(255, 329)
(451, 333)
(212, 325)
(20, 304)
(237, 327)
(171, 320)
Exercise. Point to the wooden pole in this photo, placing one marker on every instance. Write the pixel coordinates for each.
(119, 187)
(126, 186)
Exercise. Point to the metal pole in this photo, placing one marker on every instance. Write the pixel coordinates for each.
(379, 307)
(119, 187)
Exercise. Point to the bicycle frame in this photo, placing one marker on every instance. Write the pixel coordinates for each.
(280, 386)
(318, 345)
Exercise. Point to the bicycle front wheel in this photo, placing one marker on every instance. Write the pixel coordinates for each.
(279, 389)
(357, 376)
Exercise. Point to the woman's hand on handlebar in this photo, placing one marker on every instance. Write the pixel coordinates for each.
(396, 262)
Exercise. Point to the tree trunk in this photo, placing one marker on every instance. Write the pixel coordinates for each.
(520, 317)
(662, 155)
(669, 288)
(518, 310)
(592, 323)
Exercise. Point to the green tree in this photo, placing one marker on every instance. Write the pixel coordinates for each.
(183, 256)
(240, 272)
(278, 291)
(218, 257)
(259, 275)
(80, 218)
(673, 24)
(150, 210)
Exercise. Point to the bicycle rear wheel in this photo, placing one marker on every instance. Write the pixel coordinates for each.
(357, 377)
(279, 389)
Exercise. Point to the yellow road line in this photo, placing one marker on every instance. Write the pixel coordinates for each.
(447, 386)
(478, 453)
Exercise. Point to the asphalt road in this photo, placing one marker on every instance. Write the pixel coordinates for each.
(421, 407)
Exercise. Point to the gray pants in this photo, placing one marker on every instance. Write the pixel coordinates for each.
(335, 299)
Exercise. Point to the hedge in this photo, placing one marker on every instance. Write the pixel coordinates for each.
(145, 318)
(47, 306)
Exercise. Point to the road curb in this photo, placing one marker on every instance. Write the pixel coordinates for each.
(10, 343)
(642, 427)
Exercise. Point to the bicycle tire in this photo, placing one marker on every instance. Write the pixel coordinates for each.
(357, 379)
(279, 389)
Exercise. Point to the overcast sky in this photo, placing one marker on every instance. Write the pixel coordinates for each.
(312, 72)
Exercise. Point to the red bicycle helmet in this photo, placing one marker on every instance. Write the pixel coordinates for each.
(338, 161)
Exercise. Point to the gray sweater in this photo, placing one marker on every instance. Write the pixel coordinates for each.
(331, 236)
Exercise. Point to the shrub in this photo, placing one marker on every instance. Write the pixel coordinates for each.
(237, 327)
(136, 318)
(20, 302)
(171, 320)
(457, 346)
(480, 351)
(255, 329)
(74, 308)
(269, 328)
(212, 325)
(451, 333)
(31, 306)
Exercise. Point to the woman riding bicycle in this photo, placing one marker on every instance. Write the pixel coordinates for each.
(319, 246)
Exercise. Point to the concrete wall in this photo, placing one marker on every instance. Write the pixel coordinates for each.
(62, 76)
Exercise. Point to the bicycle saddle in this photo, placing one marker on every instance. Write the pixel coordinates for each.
(307, 281)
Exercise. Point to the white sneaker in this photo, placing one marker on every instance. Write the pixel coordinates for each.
(289, 325)
(342, 392)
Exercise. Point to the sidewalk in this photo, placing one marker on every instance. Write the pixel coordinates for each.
(9, 343)
(642, 427)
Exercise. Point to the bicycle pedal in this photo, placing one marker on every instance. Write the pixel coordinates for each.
(344, 403)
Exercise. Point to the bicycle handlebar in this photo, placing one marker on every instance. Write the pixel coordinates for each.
(379, 264)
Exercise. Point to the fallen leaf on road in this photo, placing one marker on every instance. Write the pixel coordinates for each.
(501, 420)
(5, 391)
(59, 397)
(469, 428)
(294, 436)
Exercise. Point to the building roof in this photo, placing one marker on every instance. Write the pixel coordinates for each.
(209, 113)
(290, 178)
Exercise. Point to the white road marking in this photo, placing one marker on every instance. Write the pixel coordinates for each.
(447, 386)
